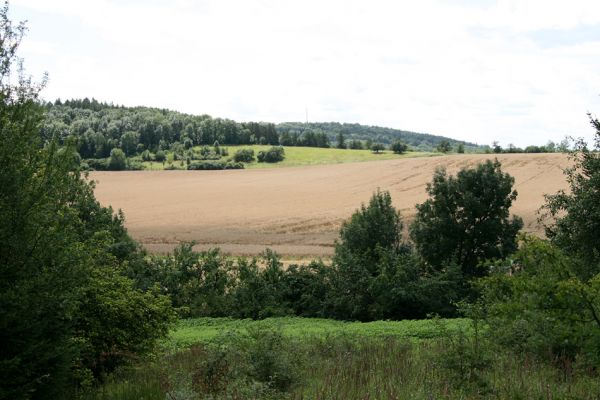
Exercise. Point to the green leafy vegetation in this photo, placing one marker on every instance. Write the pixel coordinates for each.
(97, 129)
(272, 155)
(472, 211)
(68, 314)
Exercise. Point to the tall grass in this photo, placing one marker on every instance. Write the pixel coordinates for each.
(261, 362)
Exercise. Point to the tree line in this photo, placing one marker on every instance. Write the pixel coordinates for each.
(98, 128)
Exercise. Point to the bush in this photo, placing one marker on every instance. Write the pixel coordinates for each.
(273, 155)
(244, 155)
(160, 156)
(117, 160)
(146, 155)
(377, 147)
(214, 165)
(97, 164)
(260, 364)
(398, 147)
(536, 304)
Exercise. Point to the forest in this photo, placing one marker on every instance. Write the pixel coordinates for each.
(100, 127)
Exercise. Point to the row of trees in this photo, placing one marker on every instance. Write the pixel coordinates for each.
(550, 147)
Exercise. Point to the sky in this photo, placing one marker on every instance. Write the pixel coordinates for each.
(515, 71)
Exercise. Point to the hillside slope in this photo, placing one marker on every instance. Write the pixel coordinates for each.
(100, 127)
(298, 210)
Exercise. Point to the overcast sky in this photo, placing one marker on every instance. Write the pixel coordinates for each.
(520, 72)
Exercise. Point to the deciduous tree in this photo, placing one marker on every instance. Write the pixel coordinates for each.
(467, 218)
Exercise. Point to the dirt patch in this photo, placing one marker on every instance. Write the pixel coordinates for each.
(297, 211)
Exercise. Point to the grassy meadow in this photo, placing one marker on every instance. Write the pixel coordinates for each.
(204, 330)
(301, 358)
(298, 156)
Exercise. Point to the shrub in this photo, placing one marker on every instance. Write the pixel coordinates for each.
(117, 160)
(398, 147)
(244, 155)
(537, 304)
(377, 147)
(146, 155)
(259, 364)
(160, 156)
(273, 155)
(214, 165)
(97, 164)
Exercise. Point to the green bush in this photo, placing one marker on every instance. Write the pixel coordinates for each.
(537, 304)
(273, 155)
(377, 147)
(147, 156)
(214, 165)
(160, 156)
(97, 164)
(117, 160)
(399, 147)
(244, 155)
(260, 361)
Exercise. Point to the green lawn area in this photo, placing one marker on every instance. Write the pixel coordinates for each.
(203, 330)
(301, 156)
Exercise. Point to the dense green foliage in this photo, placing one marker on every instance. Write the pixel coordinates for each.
(577, 212)
(373, 275)
(549, 147)
(214, 165)
(99, 128)
(244, 155)
(444, 146)
(545, 301)
(399, 147)
(272, 155)
(67, 312)
(538, 304)
(377, 147)
(466, 219)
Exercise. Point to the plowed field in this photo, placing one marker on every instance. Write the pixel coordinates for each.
(297, 211)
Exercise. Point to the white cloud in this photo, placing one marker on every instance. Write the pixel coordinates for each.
(467, 71)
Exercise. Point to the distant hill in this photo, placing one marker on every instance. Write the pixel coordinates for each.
(417, 141)
(100, 127)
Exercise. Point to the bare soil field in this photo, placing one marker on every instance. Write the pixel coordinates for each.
(296, 211)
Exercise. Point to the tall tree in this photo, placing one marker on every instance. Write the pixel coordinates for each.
(444, 146)
(41, 262)
(576, 213)
(65, 306)
(341, 141)
(467, 218)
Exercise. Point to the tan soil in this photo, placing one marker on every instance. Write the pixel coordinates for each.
(295, 211)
